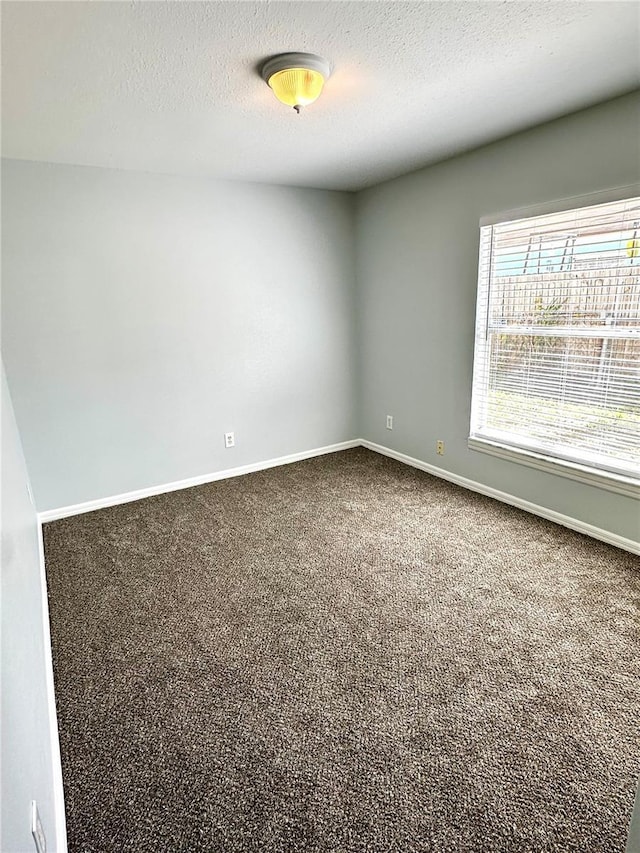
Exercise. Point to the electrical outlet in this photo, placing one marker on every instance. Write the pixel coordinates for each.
(229, 439)
(440, 447)
(389, 421)
(37, 831)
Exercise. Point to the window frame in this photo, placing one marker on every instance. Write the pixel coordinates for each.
(584, 473)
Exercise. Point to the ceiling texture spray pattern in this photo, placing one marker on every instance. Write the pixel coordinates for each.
(175, 87)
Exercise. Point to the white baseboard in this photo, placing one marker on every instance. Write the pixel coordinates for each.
(56, 763)
(127, 497)
(551, 515)
(541, 511)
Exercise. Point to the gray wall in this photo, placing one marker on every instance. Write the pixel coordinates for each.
(146, 315)
(417, 262)
(27, 766)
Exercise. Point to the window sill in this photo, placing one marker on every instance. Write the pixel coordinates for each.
(618, 483)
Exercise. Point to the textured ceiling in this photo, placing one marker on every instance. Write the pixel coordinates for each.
(173, 87)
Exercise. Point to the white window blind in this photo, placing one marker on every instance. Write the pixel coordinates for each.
(557, 353)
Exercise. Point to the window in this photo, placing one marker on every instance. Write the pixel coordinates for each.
(556, 379)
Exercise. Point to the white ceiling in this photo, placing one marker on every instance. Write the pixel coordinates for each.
(173, 87)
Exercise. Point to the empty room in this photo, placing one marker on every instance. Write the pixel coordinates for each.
(320, 427)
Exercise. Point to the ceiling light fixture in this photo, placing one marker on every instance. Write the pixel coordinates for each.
(296, 78)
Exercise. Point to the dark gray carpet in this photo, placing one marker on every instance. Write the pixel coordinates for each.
(343, 655)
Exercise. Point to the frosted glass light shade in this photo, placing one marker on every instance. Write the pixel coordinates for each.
(296, 86)
(296, 78)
